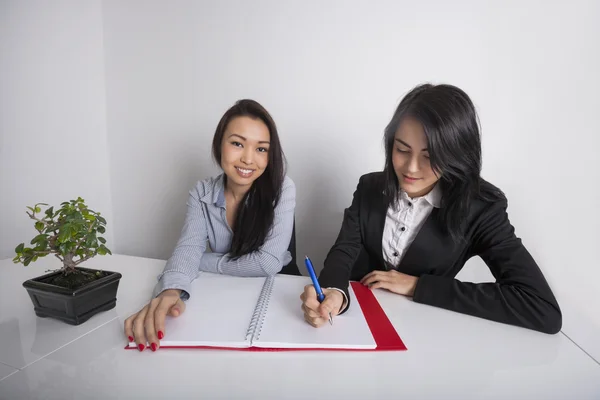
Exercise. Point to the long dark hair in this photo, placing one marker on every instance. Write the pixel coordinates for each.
(256, 211)
(451, 125)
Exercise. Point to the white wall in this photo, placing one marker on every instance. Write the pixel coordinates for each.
(52, 112)
(331, 73)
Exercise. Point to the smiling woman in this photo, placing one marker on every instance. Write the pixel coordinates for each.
(244, 215)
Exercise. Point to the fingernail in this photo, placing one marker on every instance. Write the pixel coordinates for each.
(130, 339)
(153, 346)
(141, 347)
(160, 335)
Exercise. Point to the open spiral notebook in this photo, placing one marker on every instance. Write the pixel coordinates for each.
(227, 312)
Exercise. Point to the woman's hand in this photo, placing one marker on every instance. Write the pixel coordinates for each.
(316, 313)
(148, 324)
(394, 281)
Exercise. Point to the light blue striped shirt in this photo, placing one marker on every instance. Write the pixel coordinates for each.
(206, 228)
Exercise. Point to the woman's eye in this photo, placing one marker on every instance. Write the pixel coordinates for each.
(262, 149)
(401, 151)
(237, 144)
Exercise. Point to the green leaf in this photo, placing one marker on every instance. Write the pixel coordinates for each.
(102, 240)
(19, 248)
(103, 250)
(101, 229)
(64, 248)
(37, 209)
(50, 212)
(64, 235)
(90, 240)
(38, 238)
(102, 220)
(39, 226)
(27, 260)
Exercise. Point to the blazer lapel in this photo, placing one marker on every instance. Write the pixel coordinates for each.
(377, 214)
(423, 247)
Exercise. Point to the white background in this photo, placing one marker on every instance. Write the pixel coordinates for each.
(117, 102)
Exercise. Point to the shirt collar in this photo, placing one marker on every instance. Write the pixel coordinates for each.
(434, 197)
(216, 192)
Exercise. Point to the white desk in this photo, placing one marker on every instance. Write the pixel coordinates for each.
(450, 356)
(25, 338)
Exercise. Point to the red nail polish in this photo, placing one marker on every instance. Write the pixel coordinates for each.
(141, 347)
(153, 346)
(130, 339)
(160, 335)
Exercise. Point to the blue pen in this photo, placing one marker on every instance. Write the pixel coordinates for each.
(315, 281)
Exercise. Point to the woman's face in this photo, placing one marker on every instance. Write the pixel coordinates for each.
(410, 157)
(245, 151)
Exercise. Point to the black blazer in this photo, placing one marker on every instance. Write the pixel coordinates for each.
(520, 296)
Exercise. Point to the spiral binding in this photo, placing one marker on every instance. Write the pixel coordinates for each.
(258, 316)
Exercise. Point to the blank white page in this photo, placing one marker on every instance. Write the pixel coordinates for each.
(217, 313)
(285, 327)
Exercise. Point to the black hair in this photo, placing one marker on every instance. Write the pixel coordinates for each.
(450, 123)
(256, 211)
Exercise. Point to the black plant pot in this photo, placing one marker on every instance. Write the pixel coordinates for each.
(73, 306)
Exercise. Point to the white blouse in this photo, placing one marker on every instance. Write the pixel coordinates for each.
(403, 222)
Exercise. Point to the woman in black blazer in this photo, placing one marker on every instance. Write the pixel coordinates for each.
(411, 228)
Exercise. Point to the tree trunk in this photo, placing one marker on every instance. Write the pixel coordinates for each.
(68, 264)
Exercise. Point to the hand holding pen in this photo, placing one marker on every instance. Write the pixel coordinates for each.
(319, 304)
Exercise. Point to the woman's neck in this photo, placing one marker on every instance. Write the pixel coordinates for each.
(236, 192)
(421, 193)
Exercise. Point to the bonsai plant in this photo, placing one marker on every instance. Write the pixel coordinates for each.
(72, 234)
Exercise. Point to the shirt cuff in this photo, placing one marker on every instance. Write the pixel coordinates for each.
(174, 280)
(345, 303)
(210, 262)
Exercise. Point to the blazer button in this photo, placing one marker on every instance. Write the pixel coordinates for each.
(395, 254)
(403, 229)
